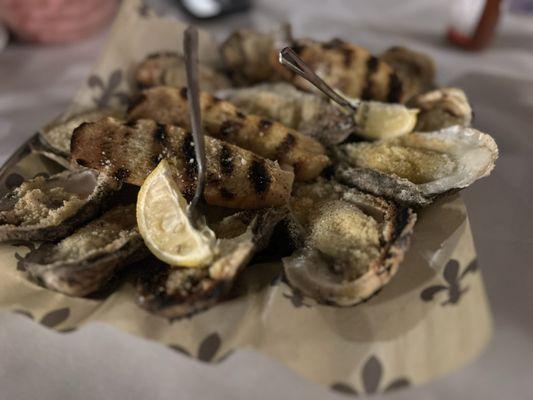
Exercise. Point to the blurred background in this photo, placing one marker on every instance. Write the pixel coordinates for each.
(47, 48)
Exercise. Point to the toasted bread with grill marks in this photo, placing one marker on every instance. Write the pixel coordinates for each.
(236, 178)
(221, 119)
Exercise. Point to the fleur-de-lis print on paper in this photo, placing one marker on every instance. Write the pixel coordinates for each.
(22, 243)
(51, 319)
(107, 90)
(207, 350)
(371, 377)
(453, 288)
(296, 298)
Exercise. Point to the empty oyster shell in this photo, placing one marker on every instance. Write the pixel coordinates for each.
(175, 292)
(415, 168)
(442, 108)
(50, 208)
(56, 136)
(352, 242)
(83, 262)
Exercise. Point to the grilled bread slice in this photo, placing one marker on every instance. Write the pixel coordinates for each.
(221, 119)
(236, 178)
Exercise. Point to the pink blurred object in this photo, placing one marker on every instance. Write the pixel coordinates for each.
(56, 21)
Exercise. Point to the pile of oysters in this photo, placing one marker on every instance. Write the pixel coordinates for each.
(343, 183)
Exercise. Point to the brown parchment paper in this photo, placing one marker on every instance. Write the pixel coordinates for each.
(431, 318)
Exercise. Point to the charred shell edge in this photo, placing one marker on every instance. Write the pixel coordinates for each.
(72, 278)
(369, 180)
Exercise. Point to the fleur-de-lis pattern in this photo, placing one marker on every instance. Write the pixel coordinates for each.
(13, 181)
(22, 243)
(371, 377)
(453, 287)
(108, 92)
(297, 299)
(207, 350)
(51, 319)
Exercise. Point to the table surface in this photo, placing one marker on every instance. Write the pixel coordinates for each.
(98, 361)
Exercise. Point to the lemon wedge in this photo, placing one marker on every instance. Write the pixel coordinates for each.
(164, 225)
(384, 121)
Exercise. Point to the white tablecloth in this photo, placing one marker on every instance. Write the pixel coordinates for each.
(100, 362)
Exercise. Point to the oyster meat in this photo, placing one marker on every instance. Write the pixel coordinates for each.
(169, 69)
(417, 167)
(175, 292)
(351, 243)
(51, 208)
(85, 261)
(442, 108)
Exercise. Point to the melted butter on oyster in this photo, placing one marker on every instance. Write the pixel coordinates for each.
(342, 232)
(392, 157)
(36, 205)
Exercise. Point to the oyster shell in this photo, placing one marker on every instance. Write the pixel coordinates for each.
(177, 292)
(83, 262)
(51, 208)
(56, 136)
(442, 108)
(351, 242)
(309, 113)
(415, 168)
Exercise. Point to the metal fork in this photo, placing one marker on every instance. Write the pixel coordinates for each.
(190, 49)
(289, 59)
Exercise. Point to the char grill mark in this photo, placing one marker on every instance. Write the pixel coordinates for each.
(121, 174)
(264, 124)
(226, 160)
(348, 55)
(136, 100)
(228, 128)
(333, 44)
(372, 64)
(226, 193)
(259, 176)
(187, 150)
(395, 88)
(183, 93)
(286, 145)
(159, 133)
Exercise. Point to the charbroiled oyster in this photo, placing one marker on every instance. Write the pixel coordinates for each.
(57, 135)
(415, 168)
(313, 115)
(351, 243)
(85, 261)
(176, 292)
(169, 69)
(442, 108)
(309, 113)
(51, 208)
